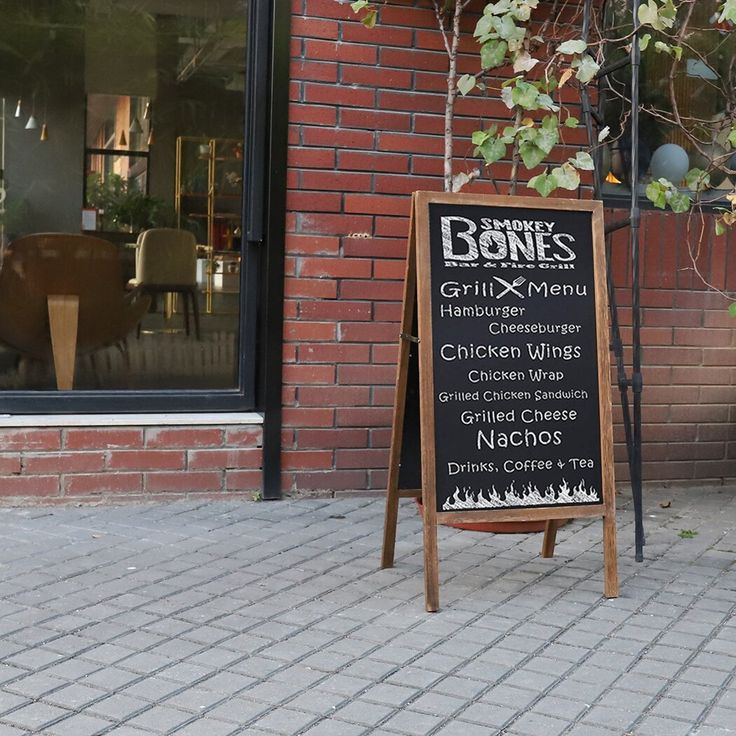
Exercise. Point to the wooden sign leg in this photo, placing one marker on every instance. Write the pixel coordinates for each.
(393, 494)
(431, 564)
(550, 537)
(610, 566)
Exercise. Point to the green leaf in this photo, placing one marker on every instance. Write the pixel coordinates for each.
(697, 179)
(566, 176)
(550, 122)
(524, 62)
(656, 194)
(572, 47)
(493, 53)
(465, 84)
(545, 102)
(661, 46)
(543, 183)
(732, 137)
(679, 201)
(481, 136)
(687, 534)
(728, 12)
(491, 150)
(525, 95)
(572, 122)
(587, 68)
(358, 5)
(507, 98)
(547, 139)
(644, 41)
(583, 160)
(531, 154)
(370, 18)
(721, 230)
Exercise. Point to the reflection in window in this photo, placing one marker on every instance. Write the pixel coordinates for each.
(703, 88)
(111, 113)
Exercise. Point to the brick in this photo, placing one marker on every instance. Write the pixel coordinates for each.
(29, 486)
(338, 310)
(388, 311)
(331, 480)
(312, 114)
(350, 268)
(385, 354)
(308, 417)
(336, 181)
(300, 244)
(383, 396)
(313, 71)
(375, 119)
(184, 481)
(314, 27)
(363, 417)
(375, 247)
(23, 440)
(306, 459)
(184, 437)
(328, 9)
(313, 201)
(352, 53)
(244, 436)
(310, 288)
(333, 395)
(147, 460)
(302, 157)
(369, 332)
(366, 374)
(700, 375)
(359, 161)
(389, 36)
(367, 77)
(392, 227)
(375, 204)
(703, 337)
(412, 143)
(361, 458)
(222, 459)
(332, 438)
(102, 438)
(102, 484)
(340, 138)
(333, 353)
(373, 289)
(63, 462)
(308, 374)
(10, 464)
(243, 480)
(317, 331)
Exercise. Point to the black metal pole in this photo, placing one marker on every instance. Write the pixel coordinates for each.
(636, 378)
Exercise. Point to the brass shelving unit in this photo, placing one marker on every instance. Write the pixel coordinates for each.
(209, 190)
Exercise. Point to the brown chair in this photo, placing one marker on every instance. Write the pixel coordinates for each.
(166, 263)
(63, 295)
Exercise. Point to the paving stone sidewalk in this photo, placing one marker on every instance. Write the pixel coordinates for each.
(220, 618)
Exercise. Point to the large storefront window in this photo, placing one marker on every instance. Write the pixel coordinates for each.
(699, 90)
(121, 204)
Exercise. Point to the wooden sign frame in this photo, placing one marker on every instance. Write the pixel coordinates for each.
(417, 295)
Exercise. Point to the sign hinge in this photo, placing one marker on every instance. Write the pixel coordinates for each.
(410, 338)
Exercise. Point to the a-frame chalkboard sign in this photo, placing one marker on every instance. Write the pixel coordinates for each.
(503, 408)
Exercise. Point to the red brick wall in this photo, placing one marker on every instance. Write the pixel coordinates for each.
(89, 464)
(365, 130)
(366, 123)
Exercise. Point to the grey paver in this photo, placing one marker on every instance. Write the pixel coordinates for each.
(229, 618)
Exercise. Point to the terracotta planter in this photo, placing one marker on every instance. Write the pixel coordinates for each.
(499, 527)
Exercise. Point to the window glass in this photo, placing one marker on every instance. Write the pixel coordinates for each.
(120, 208)
(700, 89)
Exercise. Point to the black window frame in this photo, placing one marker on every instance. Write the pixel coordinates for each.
(263, 212)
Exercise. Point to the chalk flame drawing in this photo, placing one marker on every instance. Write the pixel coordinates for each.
(528, 495)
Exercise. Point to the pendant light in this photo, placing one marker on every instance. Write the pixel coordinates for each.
(32, 123)
(122, 141)
(44, 132)
(18, 110)
(135, 127)
(151, 138)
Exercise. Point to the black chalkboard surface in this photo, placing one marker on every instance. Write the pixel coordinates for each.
(515, 358)
(506, 415)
